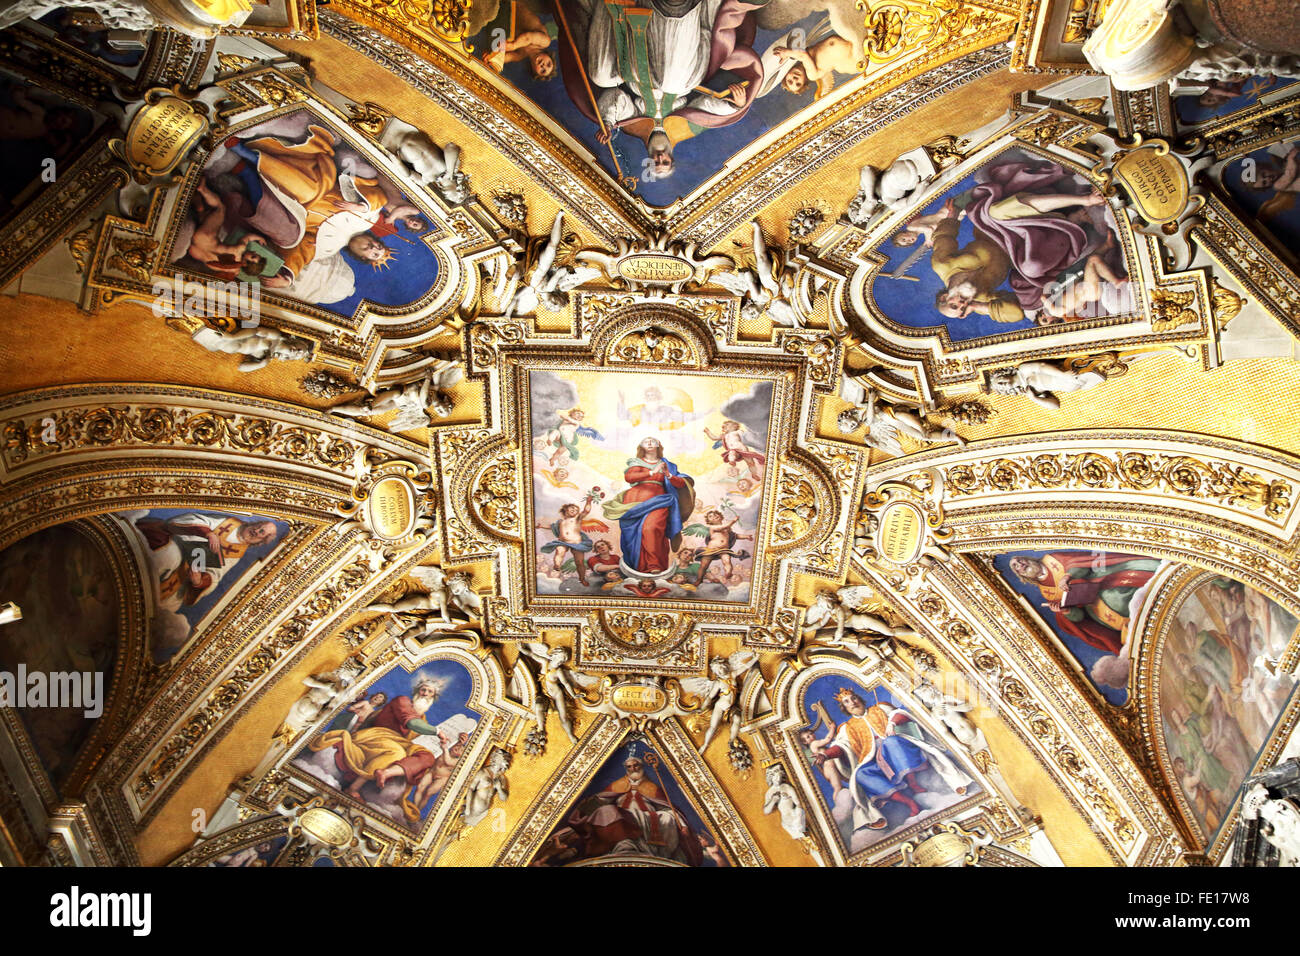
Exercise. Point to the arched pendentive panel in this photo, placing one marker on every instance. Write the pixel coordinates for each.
(1221, 506)
(78, 451)
(1218, 694)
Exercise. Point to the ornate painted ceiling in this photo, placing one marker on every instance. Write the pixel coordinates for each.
(712, 433)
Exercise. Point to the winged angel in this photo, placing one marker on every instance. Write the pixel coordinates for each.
(433, 607)
(548, 284)
(768, 286)
(883, 420)
(556, 681)
(413, 401)
(850, 609)
(722, 689)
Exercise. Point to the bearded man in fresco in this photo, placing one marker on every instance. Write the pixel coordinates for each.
(1089, 593)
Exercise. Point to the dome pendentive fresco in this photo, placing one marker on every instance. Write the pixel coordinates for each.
(712, 433)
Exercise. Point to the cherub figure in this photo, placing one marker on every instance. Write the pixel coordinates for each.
(571, 538)
(548, 284)
(952, 712)
(845, 611)
(892, 189)
(556, 682)
(817, 747)
(1041, 381)
(768, 286)
(781, 796)
(262, 346)
(559, 478)
(722, 689)
(430, 164)
(564, 436)
(731, 439)
(883, 420)
(412, 400)
(719, 545)
(488, 784)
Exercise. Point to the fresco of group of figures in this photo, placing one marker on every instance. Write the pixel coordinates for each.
(1089, 600)
(1021, 244)
(1265, 184)
(633, 808)
(288, 204)
(648, 487)
(65, 588)
(877, 769)
(665, 92)
(396, 743)
(1221, 692)
(40, 134)
(196, 559)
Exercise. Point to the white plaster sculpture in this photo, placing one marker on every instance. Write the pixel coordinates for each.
(722, 689)
(260, 346)
(769, 286)
(884, 420)
(548, 284)
(1041, 381)
(430, 165)
(413, 400)
(783, 797)
(487, 785)
(892, 189)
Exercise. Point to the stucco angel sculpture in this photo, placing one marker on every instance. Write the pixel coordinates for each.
(443, 592)
(883, 420)
(848, 610)
(413, 400)
(768, 286)
(891, 189)
(547, 284)
(432, 166)
(722, 689)
(1041, 381)
(556, 681)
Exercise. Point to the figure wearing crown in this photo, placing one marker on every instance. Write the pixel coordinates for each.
(880, 750)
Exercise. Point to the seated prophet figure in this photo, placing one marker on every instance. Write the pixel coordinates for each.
(1088, 593)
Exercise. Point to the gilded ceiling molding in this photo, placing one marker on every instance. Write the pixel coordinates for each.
(286, 788)
(708, 215)
(447, 81)
(145, 259)
(1250, 259)
(489, 512)
(77, 451)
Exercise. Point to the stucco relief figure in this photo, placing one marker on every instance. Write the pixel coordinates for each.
(951, 712)
(412, 401)
(489, 783)
(844, 611)
(260, 347)
(883, 420)
(767, 287)
(651, 512)
(322, 691)
(643, 66)
(547, 283)
(783, 798)
(429, 612)
(721, 689)
(430, 165)
(890, 189)
(557, 683)
(1041, 381)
